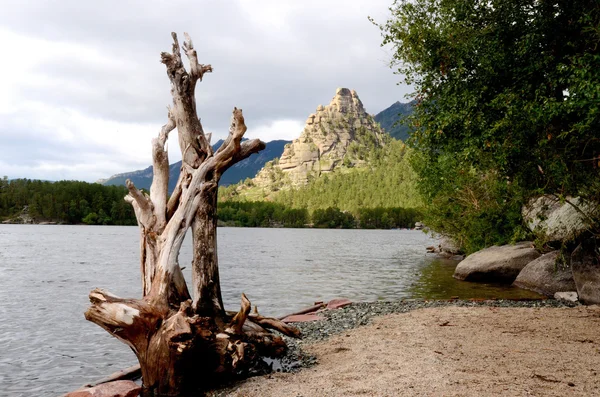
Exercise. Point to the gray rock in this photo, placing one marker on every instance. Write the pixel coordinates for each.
(499, 264)
(585, 263)
(449, 246)
(568, 296)
(552, 220)
(545, 276)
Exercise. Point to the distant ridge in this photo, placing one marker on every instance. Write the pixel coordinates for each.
(238, 172)
(390, 119)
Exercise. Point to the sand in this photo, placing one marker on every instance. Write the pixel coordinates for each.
(452, 351)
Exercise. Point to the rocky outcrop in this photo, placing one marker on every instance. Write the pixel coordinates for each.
(499, 264)
(545, 276)
(340, 134)
(585, 263)
(553, 220)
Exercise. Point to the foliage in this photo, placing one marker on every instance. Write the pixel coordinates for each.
(260, 214)
(268, 214)
(332, 218)
(387, 218)
(508, 96)
(65, 202)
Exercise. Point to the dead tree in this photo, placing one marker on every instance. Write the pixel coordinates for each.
(185, 342)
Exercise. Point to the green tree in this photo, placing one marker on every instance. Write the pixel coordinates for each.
(507, 96)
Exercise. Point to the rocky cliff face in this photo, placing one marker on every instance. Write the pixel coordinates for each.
(341, 134)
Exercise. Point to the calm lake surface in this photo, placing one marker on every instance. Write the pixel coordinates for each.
(47, 348)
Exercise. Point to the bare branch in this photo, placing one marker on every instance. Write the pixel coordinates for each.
(236, 325)
(248, 148)
(272, 323)
(197, 70)
(144, 206)
(237, 129)
(232, 150)
(160, 181)
(175, 196)
(192, 143)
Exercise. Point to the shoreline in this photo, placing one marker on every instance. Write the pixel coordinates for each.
(306, 357)
(350, 342)
(56, 223)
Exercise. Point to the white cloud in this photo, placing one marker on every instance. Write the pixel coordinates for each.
(82, 91)
(276, 129)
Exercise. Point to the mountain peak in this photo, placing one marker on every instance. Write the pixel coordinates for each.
(324, 143)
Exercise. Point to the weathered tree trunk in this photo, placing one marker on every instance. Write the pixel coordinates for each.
(184, 342)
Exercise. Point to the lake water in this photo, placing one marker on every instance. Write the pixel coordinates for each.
(47, 348)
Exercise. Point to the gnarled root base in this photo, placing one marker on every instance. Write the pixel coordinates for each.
(181, 352)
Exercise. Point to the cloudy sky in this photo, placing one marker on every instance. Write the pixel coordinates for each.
(82, 91)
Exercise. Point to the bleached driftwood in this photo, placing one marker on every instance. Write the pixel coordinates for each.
(185, 342)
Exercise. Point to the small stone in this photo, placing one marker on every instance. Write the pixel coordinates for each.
(571, 384)
(569, 296)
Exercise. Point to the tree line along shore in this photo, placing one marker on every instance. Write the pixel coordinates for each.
(73, 202)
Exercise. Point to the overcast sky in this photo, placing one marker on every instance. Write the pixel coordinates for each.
(82, 91)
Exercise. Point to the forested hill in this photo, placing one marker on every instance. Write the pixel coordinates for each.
(391, 119)
(387, 181)
(238, 172)
(342, 160)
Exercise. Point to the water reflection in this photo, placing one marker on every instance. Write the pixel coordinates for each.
(435, 281)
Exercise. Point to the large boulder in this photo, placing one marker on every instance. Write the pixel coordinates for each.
(119, 388)
(545, 276)
(499, 264)
(585, 263)
(554, 220)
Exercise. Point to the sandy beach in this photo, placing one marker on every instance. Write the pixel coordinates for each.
(451, 351)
